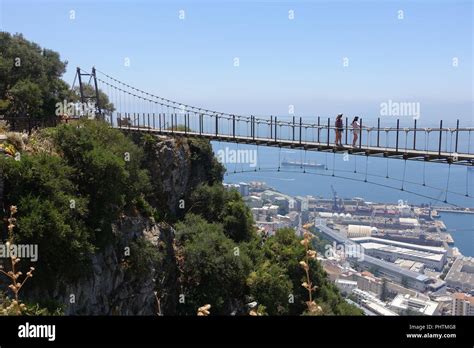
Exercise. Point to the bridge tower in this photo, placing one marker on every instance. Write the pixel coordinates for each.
(87, 98)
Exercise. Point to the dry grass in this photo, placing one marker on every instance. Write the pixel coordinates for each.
(16, 139)
(38, 142)
(204, 310)
(16, 307)
(4, 127)
(313, 307)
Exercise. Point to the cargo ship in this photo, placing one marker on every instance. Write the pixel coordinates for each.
(299, 164)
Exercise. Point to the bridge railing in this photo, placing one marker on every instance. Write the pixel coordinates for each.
(455, 141)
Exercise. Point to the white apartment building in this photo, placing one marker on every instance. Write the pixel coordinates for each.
(418, 306)
(462, 304)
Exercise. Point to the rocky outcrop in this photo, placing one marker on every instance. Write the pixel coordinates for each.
(177, 166)
(110, 289)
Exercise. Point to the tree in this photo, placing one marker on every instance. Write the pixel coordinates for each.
(270, 286)
(107, 170)
(30, 78)
(213, 270)
(286, 250)
(41, 187)
(216, 204)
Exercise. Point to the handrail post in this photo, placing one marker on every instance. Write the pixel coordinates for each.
(301, 125)
(293, 128)
(329, 127)
(149, 128)
(457, 133)
(440, 136)
(271, 127)
(217, 126)
(319, 129)
(360, 134)
(414, 136)
(233, 126)
(378, 131)
(398, 129)
(253, 127)
(276, 124)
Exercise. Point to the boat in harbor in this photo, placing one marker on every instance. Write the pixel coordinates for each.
(300, 164)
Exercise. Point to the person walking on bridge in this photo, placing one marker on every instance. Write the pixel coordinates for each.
(356, 130)
(339, 129)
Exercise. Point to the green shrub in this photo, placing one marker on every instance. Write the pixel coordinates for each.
(41, 188)
(214, 271)
(107, 171)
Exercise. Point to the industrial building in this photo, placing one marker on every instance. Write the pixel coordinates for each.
(392, 253)
(355, 231)
(389, 250)
(413, 280)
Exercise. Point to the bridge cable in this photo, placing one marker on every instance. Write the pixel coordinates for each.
(467, 169)
(304, 161)
(279, 157)
(358, 180)
(427, 144)
(333, 162)
(405, 160)
(447, 184)
(387, 136)
(366, 155)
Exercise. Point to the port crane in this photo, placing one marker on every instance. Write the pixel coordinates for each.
(336, 207)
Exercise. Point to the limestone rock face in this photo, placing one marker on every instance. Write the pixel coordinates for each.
(176, 167)
(111, 289)
(170, 170)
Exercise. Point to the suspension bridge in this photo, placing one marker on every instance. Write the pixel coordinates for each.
(135, 110)
(140, 111)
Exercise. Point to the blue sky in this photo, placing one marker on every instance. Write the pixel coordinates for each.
(282, 61)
